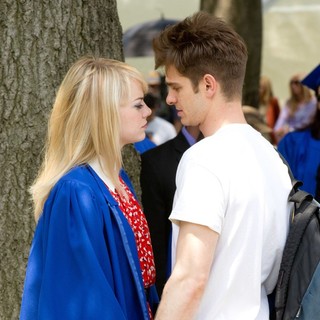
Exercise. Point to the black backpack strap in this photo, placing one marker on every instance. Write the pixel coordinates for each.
(305, 209)
(300, 196)
(317, 196)
(300, 199)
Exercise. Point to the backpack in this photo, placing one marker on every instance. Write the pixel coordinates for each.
(317, 194)
(297, 293)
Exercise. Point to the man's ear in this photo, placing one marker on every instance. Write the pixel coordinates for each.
(210, 84)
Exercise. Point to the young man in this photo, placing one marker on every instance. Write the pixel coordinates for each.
(230, 214)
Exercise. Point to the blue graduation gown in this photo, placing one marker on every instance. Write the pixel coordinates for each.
(83, 261)
(144, 145)
(302, 153)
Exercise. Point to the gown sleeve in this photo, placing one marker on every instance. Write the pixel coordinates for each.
(68, 274)
(289, 147)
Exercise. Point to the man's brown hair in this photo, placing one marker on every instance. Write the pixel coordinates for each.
(203, 44)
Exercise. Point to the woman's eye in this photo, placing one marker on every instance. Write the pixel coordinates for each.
(139, 106)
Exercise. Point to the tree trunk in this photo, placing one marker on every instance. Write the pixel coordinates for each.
(247, 21)
(39, 41)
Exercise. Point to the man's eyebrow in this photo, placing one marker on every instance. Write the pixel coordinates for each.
(170, 84)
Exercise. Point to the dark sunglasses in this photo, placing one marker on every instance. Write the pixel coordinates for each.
(295, 82)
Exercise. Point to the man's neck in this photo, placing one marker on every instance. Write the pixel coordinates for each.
(221, 115)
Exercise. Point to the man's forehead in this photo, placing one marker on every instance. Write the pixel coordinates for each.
(172, 76)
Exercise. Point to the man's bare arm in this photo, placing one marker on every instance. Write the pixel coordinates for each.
(183, 291)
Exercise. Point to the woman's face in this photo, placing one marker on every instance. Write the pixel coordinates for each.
(262, 86)
(133, 116)
(296, 86)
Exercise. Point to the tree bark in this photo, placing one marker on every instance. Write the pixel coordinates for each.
(246, 18)
(40, 39)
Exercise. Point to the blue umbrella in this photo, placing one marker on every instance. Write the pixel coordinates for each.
(137, 40)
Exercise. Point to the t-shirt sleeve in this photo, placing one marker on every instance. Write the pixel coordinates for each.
(199, 196)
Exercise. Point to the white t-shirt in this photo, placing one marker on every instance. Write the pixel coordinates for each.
(235, 183)
(160, 130)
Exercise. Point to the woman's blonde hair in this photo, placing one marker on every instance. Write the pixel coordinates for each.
(304, 96)
(265, 91)
(84, 122)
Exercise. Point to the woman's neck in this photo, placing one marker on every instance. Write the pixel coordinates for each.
(96, 166)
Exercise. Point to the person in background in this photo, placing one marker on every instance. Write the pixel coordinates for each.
(228, 204)
(154, 83)
(268, 104)
(144, 145)
(91, 255)
(159, 130)
(158, 172)
(301, 148)
(298, 110)
(158, 88)
(257, 121)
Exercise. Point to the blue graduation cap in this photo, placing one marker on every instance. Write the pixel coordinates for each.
(312, 80)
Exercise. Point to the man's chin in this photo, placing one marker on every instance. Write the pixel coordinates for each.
(186, 122)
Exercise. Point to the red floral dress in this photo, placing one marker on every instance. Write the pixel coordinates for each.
(134, 215)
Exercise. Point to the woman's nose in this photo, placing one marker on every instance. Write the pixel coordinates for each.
(147, 112)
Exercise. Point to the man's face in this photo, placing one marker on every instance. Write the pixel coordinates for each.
(182, 95)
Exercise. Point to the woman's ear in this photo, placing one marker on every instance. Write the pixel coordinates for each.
(210, 84)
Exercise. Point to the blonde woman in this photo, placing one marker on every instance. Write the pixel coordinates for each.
(298, 111)
(269, 106)
(268, 103)
(91, 256)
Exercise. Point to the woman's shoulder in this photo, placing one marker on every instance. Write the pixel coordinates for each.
(76, 178)
(80, 172)
(76, 181)
(76, 192)
(311, 103)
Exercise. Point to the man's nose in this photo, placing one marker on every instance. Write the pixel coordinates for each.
(171, 99)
